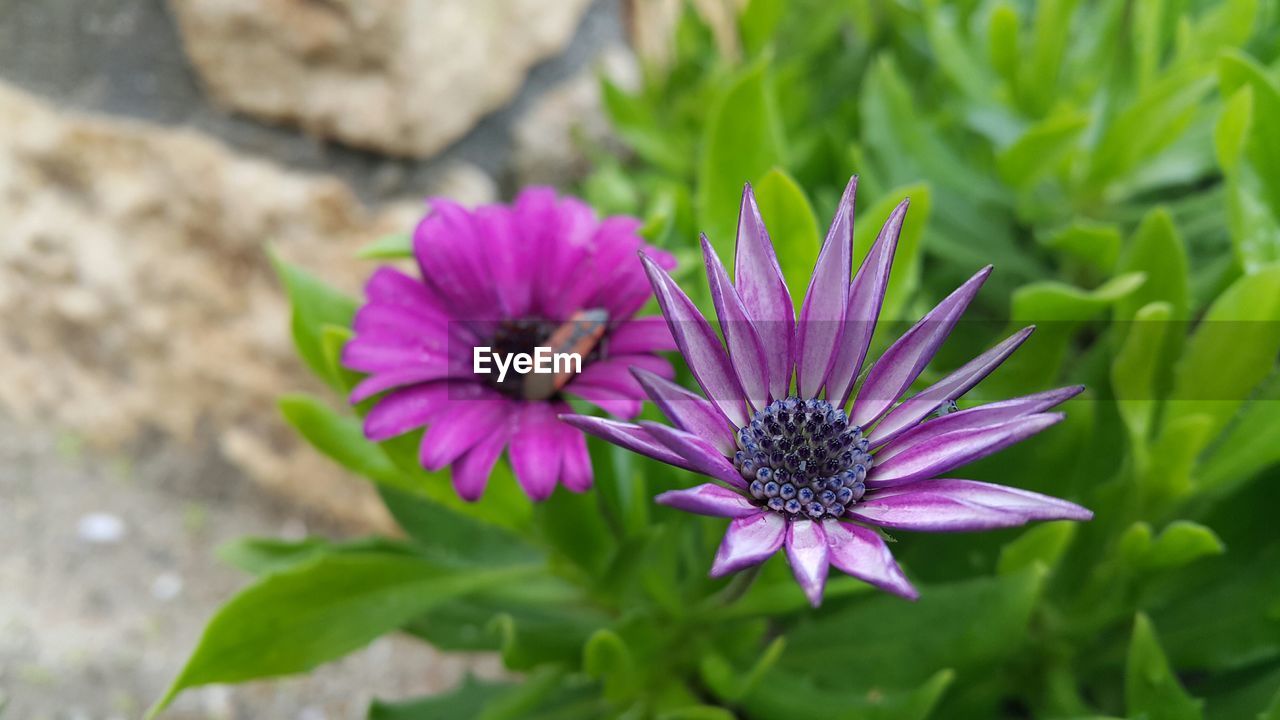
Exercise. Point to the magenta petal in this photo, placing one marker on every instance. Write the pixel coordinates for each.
(975, 417)
(961, 505)
(458, 430)
(699, 454)
(862, 553)
(641, 335)
(749, 541)
(618, 404)
(381, 382)
(471, 472)
(822, 315)
(953, 449)
(689, 411)
(763, 290)
(628, 436)
(536, 449)
(807, 552)
(405, 410)
(903, 362)
(919, 406)
(746, 353)
(709, 499)
(866, 297)
(699, 345)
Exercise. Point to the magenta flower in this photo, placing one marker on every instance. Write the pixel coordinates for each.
(795, 469)
(542, 272)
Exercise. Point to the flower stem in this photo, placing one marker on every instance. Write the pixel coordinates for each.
(738, 586)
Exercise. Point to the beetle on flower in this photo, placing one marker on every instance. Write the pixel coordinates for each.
(797, 470)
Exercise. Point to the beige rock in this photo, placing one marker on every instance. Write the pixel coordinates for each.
(137, 296)
(401, 76)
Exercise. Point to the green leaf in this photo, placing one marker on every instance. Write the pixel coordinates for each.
(314, 305)
(395, 246)
(1094, 243)
(996, 611)
(573, 524)
(297, 619)
(1173, 457)
(1272, 712)
(1150, 685)
(1158, 117)
(1232, 130)
(1251, 443)
(776, 699)
(1180, 543)
(759, 23)
(260, 556)
(1233, 349)
(468, 700)
(1041, 545)
(743, 140)
(904, 277)
(637, 125)
(1235, 71)
(1040, 72)
(1002, 42)
(607, 659)
(1158, 252)
(453, 538)
(1135, 372)
(544, 695)
(792, 227)
(730, 683)
(342, 439)
(1041, 148)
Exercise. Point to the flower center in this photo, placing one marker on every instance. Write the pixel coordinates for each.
(803, 459)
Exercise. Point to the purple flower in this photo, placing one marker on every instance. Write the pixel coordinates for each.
(542, 272)
(797, 470)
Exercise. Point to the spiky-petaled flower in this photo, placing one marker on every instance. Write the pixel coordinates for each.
(797, 470)
(541, 272)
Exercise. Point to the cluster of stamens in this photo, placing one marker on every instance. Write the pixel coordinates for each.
(803, 459)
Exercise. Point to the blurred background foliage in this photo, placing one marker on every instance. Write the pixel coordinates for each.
(1119, 162)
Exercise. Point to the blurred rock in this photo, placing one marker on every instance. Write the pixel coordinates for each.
(404, 77)
(551, 139)
(138, 296)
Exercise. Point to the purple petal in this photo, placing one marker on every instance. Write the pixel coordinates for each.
(688, 411)
(454, 260)
(862, 553)
(618, 404)
(536, 449)
(749, 541)
(699, 345)
(866, 297)
(405, 410)
(807, 552)
(381, 382)
(391, 287)
(641, 335)
(575, 471)
(746, 352)
(975, 417)
(709, 499)
(903, 362)
(614, 373)
(952, 449)
(822, 316)
(918, 407)
(458, 430)
(628, 436)
(699, 454)
(961, 505)
(764, 294)
(471, 472)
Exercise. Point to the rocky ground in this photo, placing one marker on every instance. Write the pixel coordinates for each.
(149, 152)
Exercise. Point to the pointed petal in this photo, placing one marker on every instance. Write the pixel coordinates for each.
(536, 449)
(689, 411)
(746, 352)
(866, 297)
(610, 400)
(405, 410)
(903, 362)
(699, 454)
(575, 470)
(749, 541)
(953, 449)
(916, 408)
(822, 316)
(709, 499)
(471, 472)
(807, 553)
(862, 553)
(763, 290)
(975, 417)
(961, 505)
(628, 436)
(641, 335)
(458, 430)
(698, 344)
